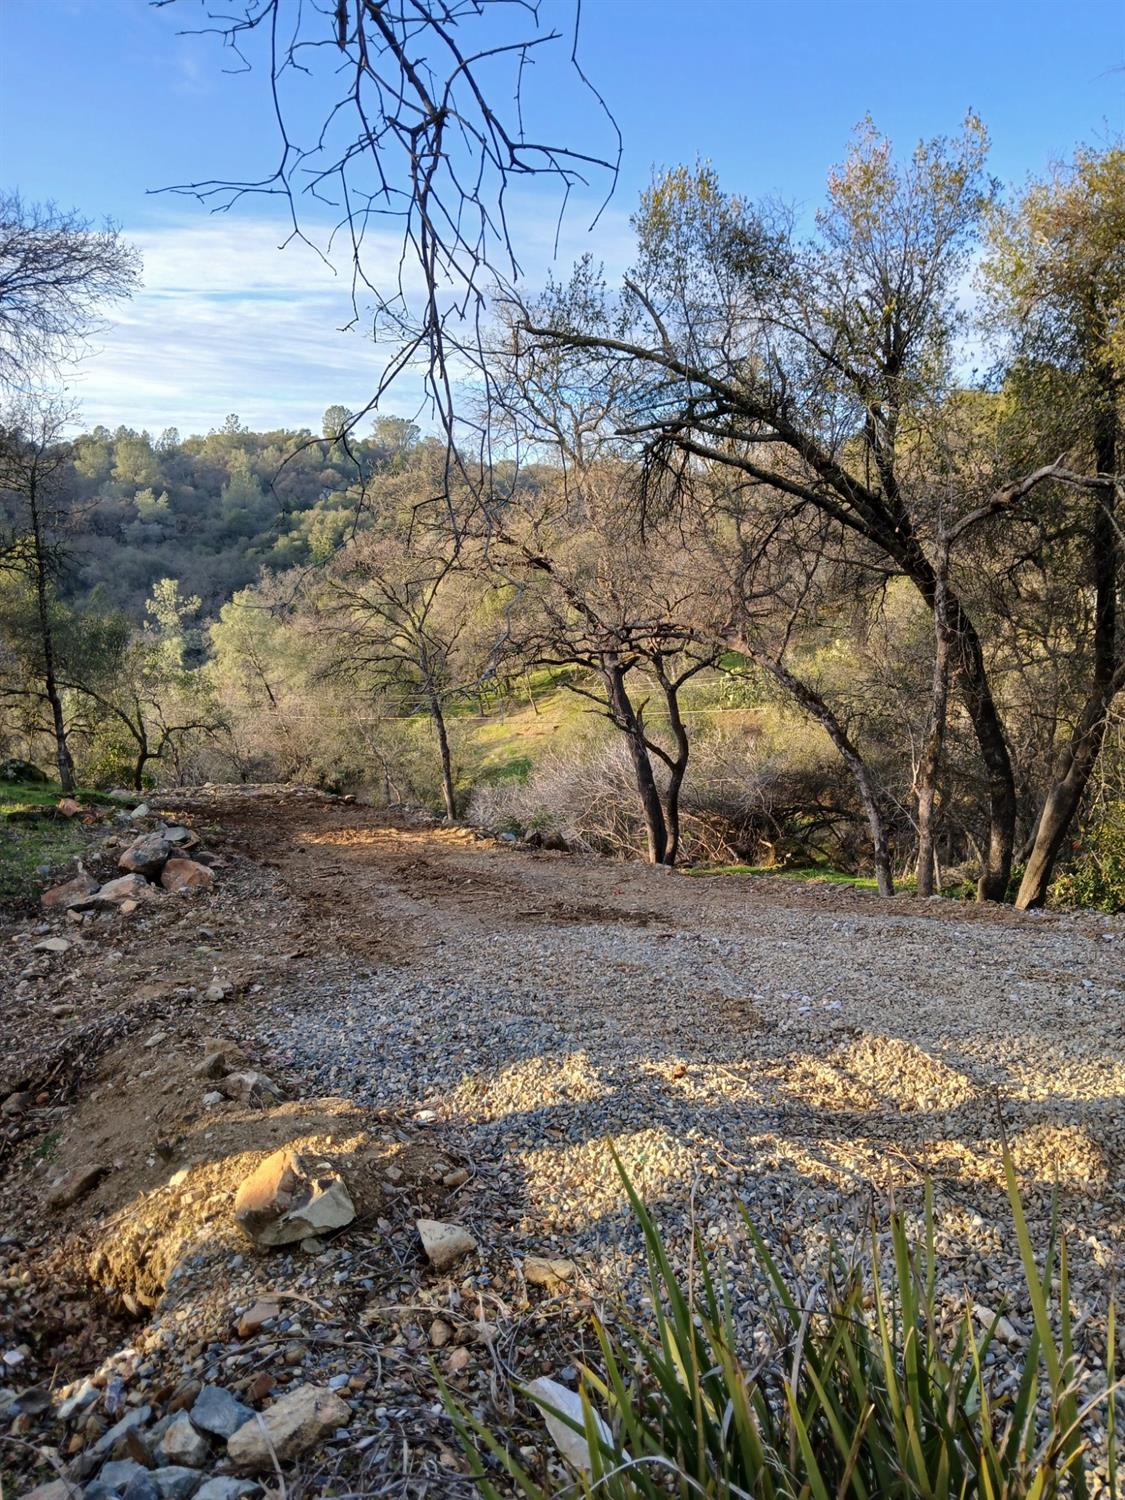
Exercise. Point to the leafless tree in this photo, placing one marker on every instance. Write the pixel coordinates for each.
(395, 629)
(56, 270)
(423, 130)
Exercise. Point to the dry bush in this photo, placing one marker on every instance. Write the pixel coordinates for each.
(742, 802)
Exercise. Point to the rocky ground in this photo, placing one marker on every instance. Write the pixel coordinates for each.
(458, 1030)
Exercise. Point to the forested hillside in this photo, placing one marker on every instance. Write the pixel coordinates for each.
(214, 511)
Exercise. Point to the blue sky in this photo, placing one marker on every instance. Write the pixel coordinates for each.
(102, 102)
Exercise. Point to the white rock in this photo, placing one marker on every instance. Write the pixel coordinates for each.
(444, 1243)
(1004, 1330)
(551, 1398)
(52, 945)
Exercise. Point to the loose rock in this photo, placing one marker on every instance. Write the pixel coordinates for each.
(444, 1243)
(186, 875)
(290, 1426)
(75, 1185)
(250, 1087)
(52, 945)
(70, 892)
(147, 855)
(261, 1313)
(283, 1201)
(541, 1271)
(218, 1412)
(174, 1482)
(229, 1488)
(551, 1398)
(183, 1445)
(116, 892)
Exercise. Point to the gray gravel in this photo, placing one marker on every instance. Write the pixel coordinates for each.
(796, 1063)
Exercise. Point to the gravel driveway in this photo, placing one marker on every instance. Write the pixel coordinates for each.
(802, 1051)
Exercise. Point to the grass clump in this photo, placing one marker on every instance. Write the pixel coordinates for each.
(34, 836)
(867, 1390)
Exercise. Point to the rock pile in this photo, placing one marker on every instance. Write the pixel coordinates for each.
(158, 859)
(206, 1447)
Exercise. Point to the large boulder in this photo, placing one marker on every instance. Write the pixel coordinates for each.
(117, 892)
(147, 855)
(288, 1428)
(286, 1199)
(186, 875)
(59, 897)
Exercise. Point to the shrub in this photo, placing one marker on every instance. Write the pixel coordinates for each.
(740, 802)
(869, 1391)
(1097, 876)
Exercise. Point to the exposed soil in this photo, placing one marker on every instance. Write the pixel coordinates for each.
(429, 1000)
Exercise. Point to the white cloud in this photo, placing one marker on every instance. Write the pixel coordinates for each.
(228, 321)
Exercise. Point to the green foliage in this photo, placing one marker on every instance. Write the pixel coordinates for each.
(1097, 875)
(867, 1390)
(804, 874)
(33, 836)
(214, 510)
(518, 768)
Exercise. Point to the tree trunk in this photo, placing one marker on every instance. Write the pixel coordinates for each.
(976, 694)
(626, 719)
(446, 760)
(677, 768)
(1061, 803)
(815, 706)
(930, 763)
(139, 768)
(63, 758)
(1078, 760)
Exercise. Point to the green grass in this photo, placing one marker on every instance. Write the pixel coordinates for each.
(21, 797)
(506, 745)
(818, 874)
(32, 834)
